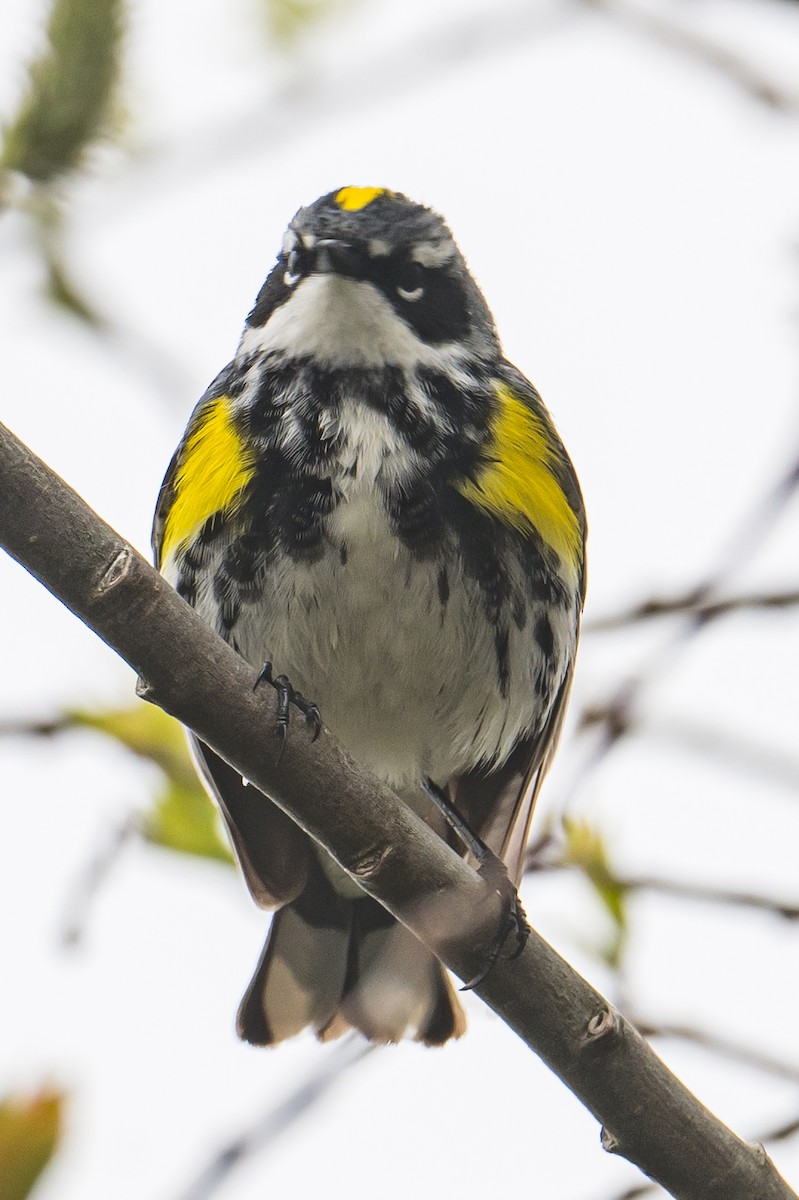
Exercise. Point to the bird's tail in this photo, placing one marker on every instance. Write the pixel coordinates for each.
(335, 964)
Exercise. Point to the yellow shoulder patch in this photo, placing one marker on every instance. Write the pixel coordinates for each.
(214, 469)
(352, 199)
(517, 484)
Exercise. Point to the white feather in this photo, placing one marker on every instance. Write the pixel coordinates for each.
(345, 322)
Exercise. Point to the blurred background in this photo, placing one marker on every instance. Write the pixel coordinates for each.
(623, 178)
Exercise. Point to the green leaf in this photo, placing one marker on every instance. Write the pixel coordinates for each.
(585, 849)
(182, 817)
(30, 1129)
(71, 87)
(288, 20)
(148, 732)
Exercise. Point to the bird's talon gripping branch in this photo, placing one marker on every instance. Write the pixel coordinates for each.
(283, 689)
(286, 696)
(313, 718)
(514, 920)
(522, 928)
(263, 676)
(493, 870)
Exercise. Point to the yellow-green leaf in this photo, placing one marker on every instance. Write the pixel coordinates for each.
(585, 849)
(63, 292)
(288, 20)
(184, 819)
(148, 732)
(30, 1129)
(182, 816)
(70, 90)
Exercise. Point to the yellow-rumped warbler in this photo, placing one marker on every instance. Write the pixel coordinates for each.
(373, 499)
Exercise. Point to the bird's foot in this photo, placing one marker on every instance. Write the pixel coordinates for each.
(286, 696)
(493, 871)
(514, 919)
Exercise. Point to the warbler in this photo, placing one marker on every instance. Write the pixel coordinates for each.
(371, 499)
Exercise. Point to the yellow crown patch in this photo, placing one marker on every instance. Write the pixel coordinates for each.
(352, 199)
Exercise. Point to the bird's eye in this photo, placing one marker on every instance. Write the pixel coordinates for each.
(410, 281)
(293, 268)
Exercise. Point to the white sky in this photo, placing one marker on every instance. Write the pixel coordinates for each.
(632, 218)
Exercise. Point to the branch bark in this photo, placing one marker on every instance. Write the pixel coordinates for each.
(648, 1116)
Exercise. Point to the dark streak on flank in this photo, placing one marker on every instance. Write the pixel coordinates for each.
(503, 661)
(443, 586)
(544, 635)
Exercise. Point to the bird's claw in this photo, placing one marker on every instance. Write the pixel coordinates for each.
(286, 696)
(514, 920)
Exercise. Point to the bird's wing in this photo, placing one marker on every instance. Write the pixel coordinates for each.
(208, 477)
(529, 477)
(164, 503)
(498, 804)
(272, 851)
(203, 483)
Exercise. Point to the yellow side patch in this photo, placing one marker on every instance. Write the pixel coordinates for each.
(517, 483)
(215, 468)
(352, 199)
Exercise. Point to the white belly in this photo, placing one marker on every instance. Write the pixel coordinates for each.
(409, 685)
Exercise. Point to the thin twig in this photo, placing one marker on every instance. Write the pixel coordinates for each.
(265, 1132)
(788, 911)
(35, 727)
(781, 1133)
(315, 98)
(92, 879)
(694, 892)
(619, 711)
(687, 605)
(732, 66)
(721, 1046)
(734, 751)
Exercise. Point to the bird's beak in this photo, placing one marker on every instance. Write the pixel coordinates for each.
(330, 256)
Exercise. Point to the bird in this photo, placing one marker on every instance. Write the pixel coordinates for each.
(372, 506)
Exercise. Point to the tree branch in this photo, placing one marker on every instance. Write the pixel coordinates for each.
(648, 1115)
(691, 605)
(780, 1133)
(617, 713)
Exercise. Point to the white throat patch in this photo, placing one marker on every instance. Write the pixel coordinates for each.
(344, 322)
